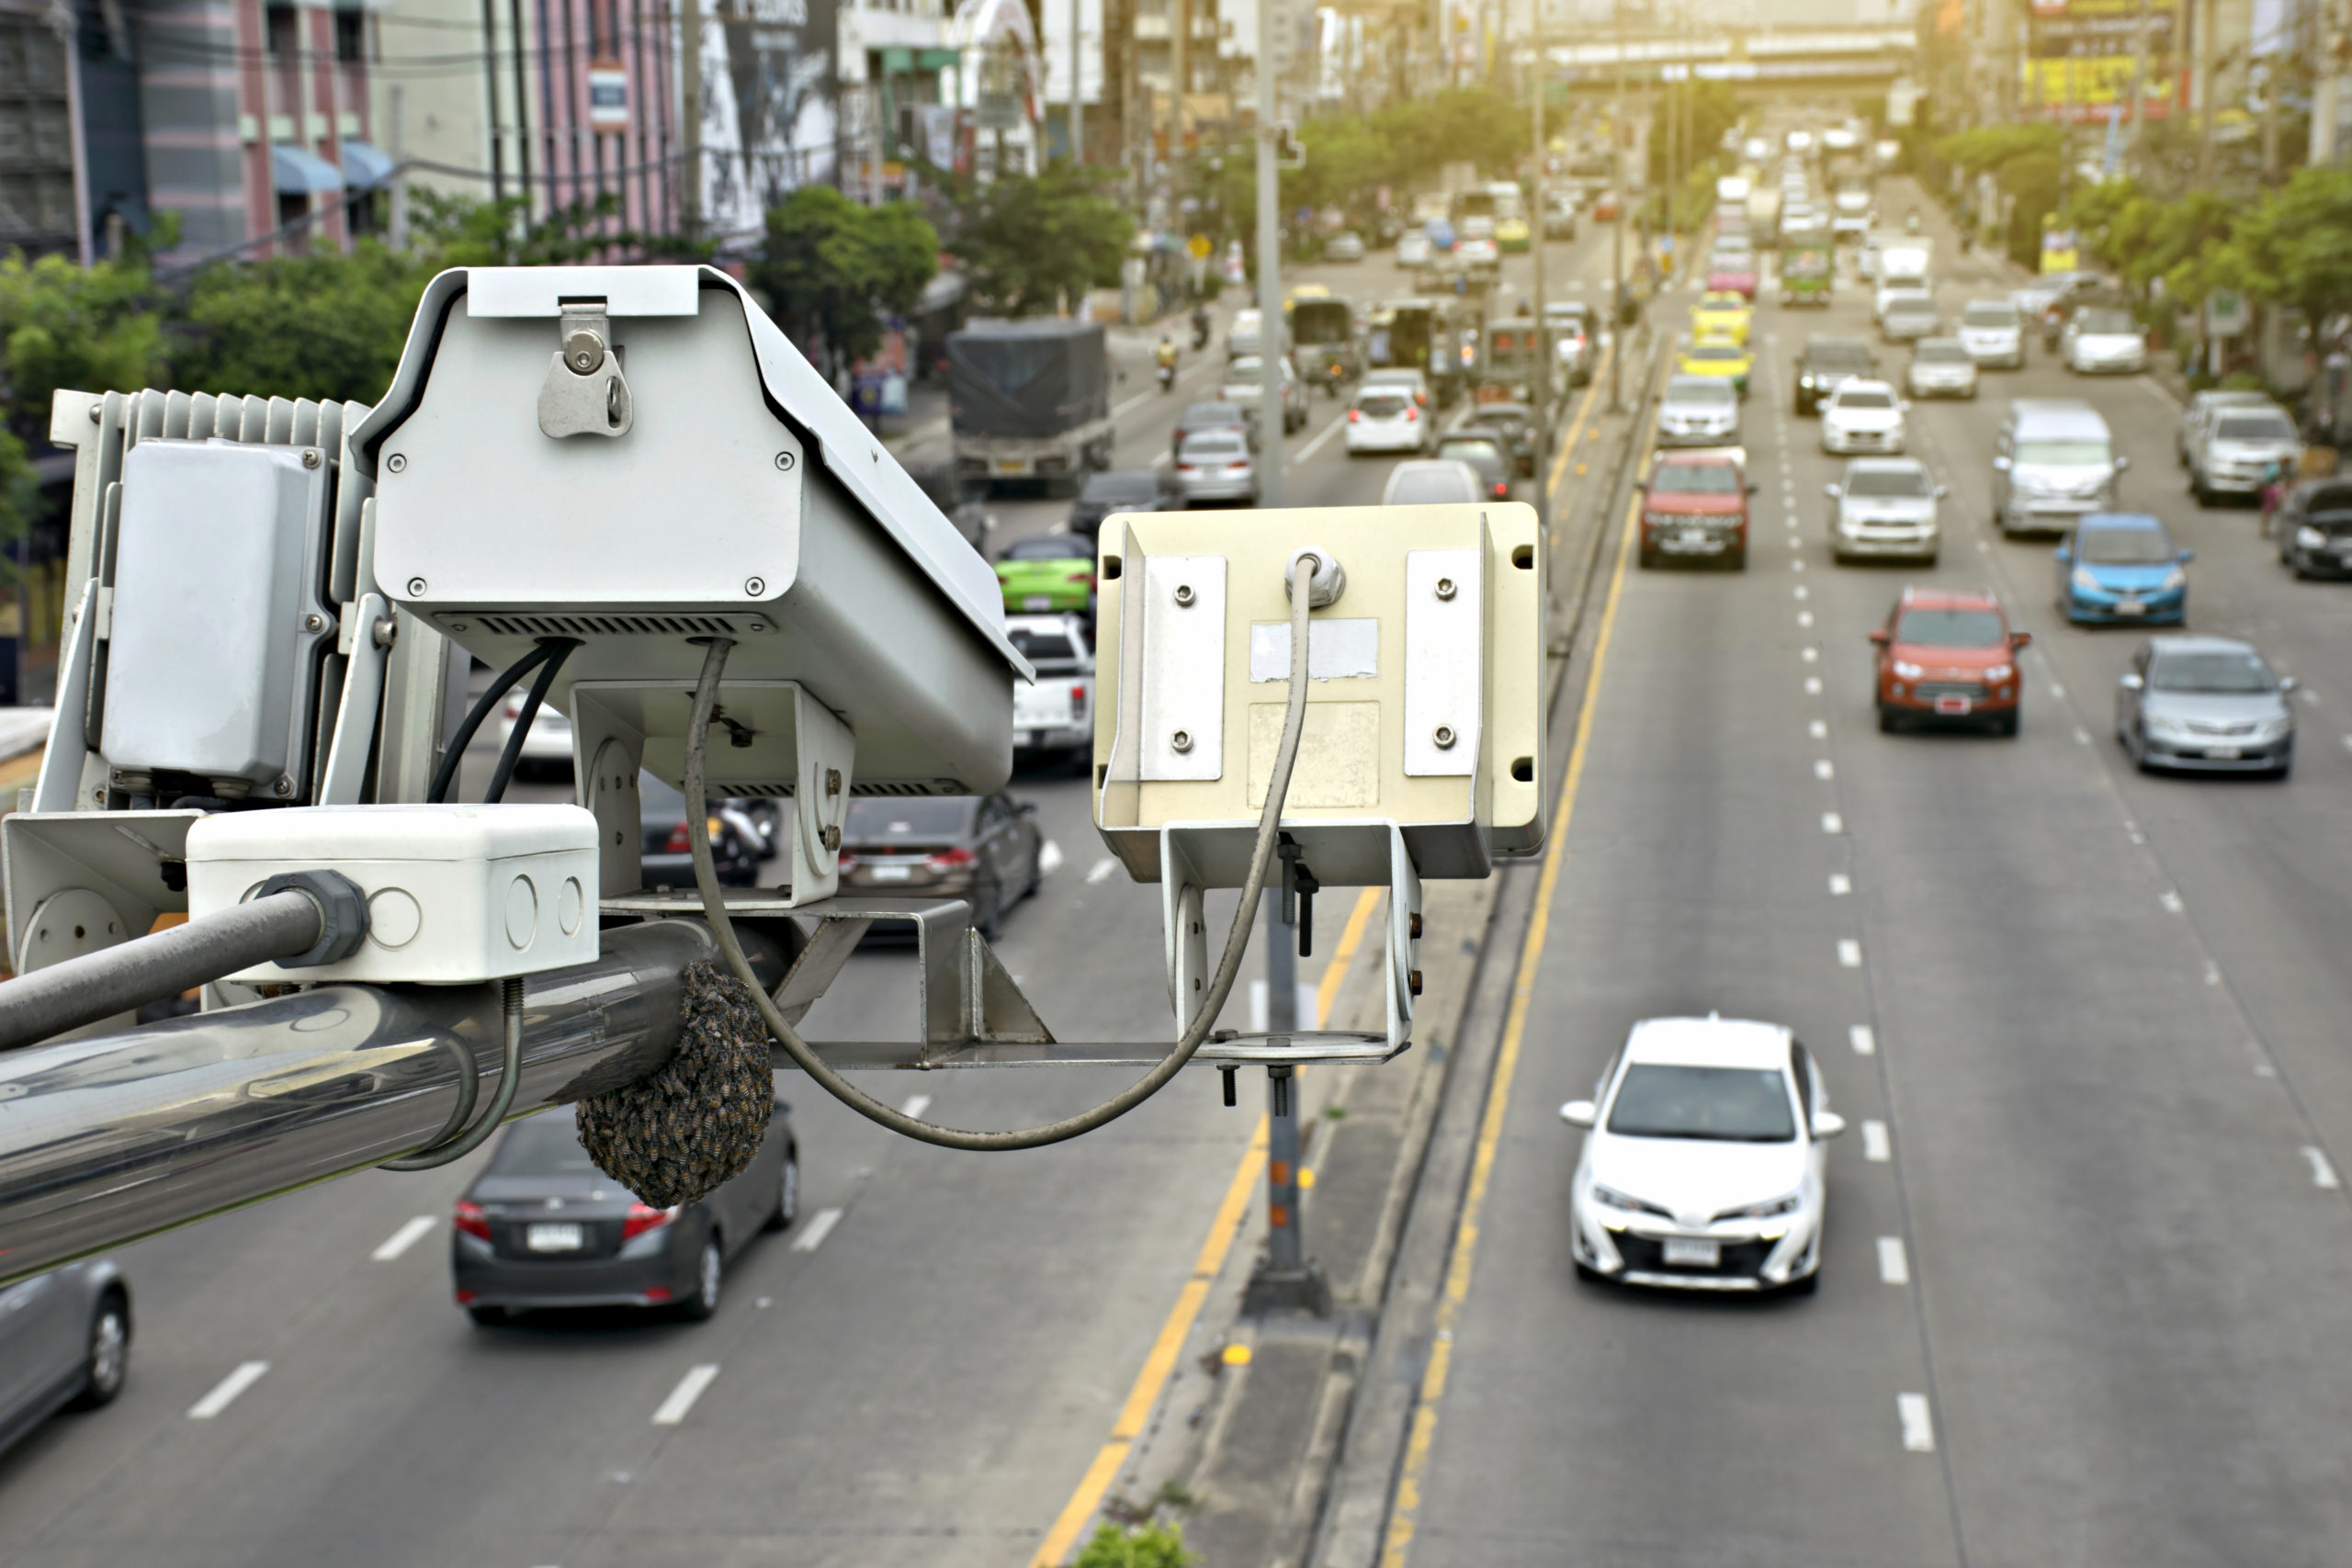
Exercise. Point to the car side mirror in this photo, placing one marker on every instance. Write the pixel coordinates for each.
(1752, 489)
(2187, 555)
(2000, 465)
(2133, 681)
(2063, 552)
(1832, 491)
(2122, 464)
(1577, 1112)
(1827, 1124)
(2020, 639)
(2287, 684)
(1942, 490)
(1879, 637)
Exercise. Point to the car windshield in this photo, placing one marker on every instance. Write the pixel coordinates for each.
(1838, 355)
(547, 1145)
(1736, 1105)
(1386, 405)
(882, 819)
(1470, 449)
(2255, 427)
(1990, 317)
(1712, 352)
(1424, 487)
(1888, 481)
(2109, 321)
(1865, 398)
(1695, 479)
(2064, 453)
(1941, 353)
(1714, 393)
(1041, 647)
(2213, 672)
(1248, 368)
(1201, 416)
(2124, 546)
(1950, 629)
(1048, 547)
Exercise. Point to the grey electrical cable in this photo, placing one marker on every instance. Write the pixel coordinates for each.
(1237, 942)
(436, 1154)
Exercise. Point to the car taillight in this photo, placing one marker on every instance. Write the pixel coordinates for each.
(846, 861)
(955, 859)
(1184, 468)
(1412, 414)
(1237, 467)
(1082, 579)
(1502, 486)
(1356, 416)
(1077, 701)
(1421, 399)
(471, 1220)
(643, 1217)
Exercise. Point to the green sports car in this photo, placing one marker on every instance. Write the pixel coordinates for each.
(1047, 574)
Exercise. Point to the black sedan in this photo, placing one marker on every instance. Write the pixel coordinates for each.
(1516, 423)
(1486, 452)
(543, 1228)
(985, 849)
(737, 846)
(1125, 489)
(2313, 528)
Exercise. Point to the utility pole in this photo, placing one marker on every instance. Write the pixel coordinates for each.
(2205, 93)
(689, 117)
(1269, 269)
(1078, 81)
(2139, 85)
(1617, 139)
(1180, 62)
(1543, 346)
(1287, 1280)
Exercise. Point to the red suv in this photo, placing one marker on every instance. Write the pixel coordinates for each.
(1948, 654)
(1695, 504)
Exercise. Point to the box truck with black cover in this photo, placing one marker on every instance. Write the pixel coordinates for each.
(1030, 400)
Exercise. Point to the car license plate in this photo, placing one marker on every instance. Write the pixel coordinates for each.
(552, 1238)
(893, 873)
(1692, 1252)
(1032, 603)
(1011, 466)
(1951, 704)
(2130, 607)
(2225, 753)
(1694, 538)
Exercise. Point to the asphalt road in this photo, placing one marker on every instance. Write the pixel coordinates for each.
(2087, 1252)
(919, 1372)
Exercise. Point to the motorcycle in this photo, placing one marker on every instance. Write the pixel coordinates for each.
(1167, 377)
(1334, 379)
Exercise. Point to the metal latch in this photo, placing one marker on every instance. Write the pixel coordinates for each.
(585, 393)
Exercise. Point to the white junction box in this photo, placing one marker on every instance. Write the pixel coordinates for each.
(456, 895)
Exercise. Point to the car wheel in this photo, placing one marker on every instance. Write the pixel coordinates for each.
(1736, 560)
(1887, 722)
(106, 1353)
(1649, 559)
(710, 1279)
(2006, 724)
(487, 1317)
(787, 1191)
(988, 911)
(1808, 1285)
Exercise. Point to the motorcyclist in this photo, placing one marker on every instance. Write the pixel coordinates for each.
(1200, 323)
(1911, 223)
(1165, 355)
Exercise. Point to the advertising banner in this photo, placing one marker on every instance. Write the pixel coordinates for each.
(2083, 55)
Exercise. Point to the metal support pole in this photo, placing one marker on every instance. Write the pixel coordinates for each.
(1269, 270)
(1544, 355)
(689, 118)
(1617, 127)
(1287, 1279)
(1077, 81)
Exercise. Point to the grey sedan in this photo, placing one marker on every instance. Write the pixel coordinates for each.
(1216, 466)
(64, 1344)
(2205, 705)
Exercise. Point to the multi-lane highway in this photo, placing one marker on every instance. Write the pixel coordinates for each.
(2088, 1251)
(921, 1371)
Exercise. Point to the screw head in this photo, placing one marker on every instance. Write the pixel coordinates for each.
(784, 462)
(283, 786)
(583, 350)
(1445, 589)
(417, 588)
(314, 622)
(311, 457)
(96, 415)
(755, 586)
(1185, 594)
(396, 463)
(831, 838)
(1443, 737)
(1181, 740)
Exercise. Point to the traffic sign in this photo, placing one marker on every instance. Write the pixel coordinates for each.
(1200, 247)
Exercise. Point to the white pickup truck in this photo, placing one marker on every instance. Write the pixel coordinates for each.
(1053, 714)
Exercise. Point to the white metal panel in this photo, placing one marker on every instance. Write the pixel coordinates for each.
(1445, 646)
(1184, 668)
(538, 291)
(1336, 650)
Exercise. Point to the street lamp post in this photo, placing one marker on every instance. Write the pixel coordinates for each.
(1617, 230)
(1270, 284)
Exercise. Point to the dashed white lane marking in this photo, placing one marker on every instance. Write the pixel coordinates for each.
(2170, 900)
(1801, 591)
(1981, 544)
(2058, 694)
(1102, 870)
(1812, 685)
(915, 1106)
(1818, 729)
(2322, 1173)
(2082, 736)
(1810, 655)
(1805, 617)
(2131, 831)
(401, 1240)
(1796, 565)
(681, 1398)
(1875, 1146)
(1841, 885)
(1894, 1264)
(1822, 769)
(1863, 1039)
(1850, 952)
(1049, 858)
(2309, 694)
(1832, 823)
(2212, 973)
(821, 1226)
(224, 1392)
(1315, 445)
(1918, 1431)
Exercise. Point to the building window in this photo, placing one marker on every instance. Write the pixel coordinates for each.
(350, 37)
(293, 205)
(364, 213)
(285, 38)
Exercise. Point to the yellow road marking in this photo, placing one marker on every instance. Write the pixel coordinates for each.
(1405, 1507)
(1342, 955)
(1584, 411)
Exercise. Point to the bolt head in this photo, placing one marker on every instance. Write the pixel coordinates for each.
(1184, 594)
(283, 786)
(784, 462)
(1443, 737)
(417, 588)
(98, 414)
(755, 586)
(583, 351)
(311, 457)
(396, 463)
(314, 622)
(1181, 740)
(1445, 589)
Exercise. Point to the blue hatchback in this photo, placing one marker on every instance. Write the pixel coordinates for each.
(2122, 566)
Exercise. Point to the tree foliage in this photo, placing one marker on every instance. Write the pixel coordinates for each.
(1152, 1545)
(1714, 109)
(1030, 243)
(323, 325)
(95, 329)
(832, 268)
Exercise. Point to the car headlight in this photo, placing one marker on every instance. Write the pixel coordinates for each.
(2310, 538)
(2277, 728)
(1999, 672)
(2157, 724)
(1785, 1204)
(1908, 671)
(1610, 1198)
(2085, 581)
(2176, 577)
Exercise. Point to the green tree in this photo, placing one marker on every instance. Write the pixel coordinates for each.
(1146, 1546)
(2294, 248)
(94, 328)
(1030, 243)
(832, 268)
(323, 325)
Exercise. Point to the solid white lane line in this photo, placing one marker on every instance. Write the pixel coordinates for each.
(2170, 900)
(2082, 736)
(915, 1106)
(1049, 858)
(1812, 685)
(2322, 1173)
(401, 1240)
(1864, 1040)
(1893, 1267)
(1832, 823)
(1841, 885)
(1918, 1431)
(681, 1398)
(821, 1226)
(1818, 729)
(1876, 1144)
(1102, 870)
(1821, 769)
(1796, 565)
(224, 1392)
(1315, 445)
(1850, 952)
(1982, 545)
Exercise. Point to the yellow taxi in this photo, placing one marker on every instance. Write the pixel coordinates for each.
(1511, 234)
(1718, 356)
(1720, 313)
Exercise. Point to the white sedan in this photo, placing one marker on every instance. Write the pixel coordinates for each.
(1703, 1167)
(1389, 419)
(1862, 416)
(2103, 338)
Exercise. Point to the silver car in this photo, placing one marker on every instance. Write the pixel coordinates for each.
(2202, 407)
(1697, 411)
(1216, 466)
(1940, 368)
(2205, 705)
(1994, 333)
(2236, 448)
(1432, 482)
(1885, 508)
(64, 1344)
(2103, 338)
(1244, 386)
(1909, 315)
